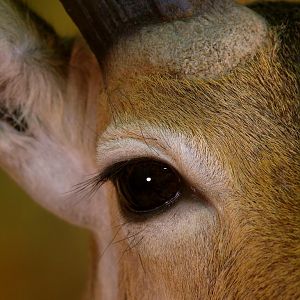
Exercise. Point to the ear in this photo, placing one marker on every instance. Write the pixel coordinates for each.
(48, 110)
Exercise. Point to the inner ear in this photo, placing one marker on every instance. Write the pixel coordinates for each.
(14, 118)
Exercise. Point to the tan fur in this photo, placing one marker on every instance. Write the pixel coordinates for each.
(252, 250)
(234, 139)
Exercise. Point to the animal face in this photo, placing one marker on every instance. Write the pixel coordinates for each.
(196, 186)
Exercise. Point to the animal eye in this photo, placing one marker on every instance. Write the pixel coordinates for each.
(147, 185)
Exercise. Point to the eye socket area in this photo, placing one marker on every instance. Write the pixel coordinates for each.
(146, 185)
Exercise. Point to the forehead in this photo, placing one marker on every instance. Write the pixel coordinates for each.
(258, 98)
(247, 118)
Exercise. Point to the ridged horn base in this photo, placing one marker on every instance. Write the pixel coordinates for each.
(103, 21)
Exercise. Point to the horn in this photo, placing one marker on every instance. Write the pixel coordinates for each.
(203, 38)
(101, 22)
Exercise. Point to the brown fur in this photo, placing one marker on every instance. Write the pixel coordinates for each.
(250, 120)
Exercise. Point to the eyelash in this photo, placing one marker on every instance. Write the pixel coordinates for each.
(90, 186)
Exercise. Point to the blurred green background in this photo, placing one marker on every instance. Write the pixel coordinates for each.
(41, 257)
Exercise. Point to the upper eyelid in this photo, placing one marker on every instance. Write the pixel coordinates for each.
(91, 185)
(113, 170)
(110, 151)
(149, 142)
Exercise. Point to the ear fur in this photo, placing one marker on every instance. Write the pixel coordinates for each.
(48, 110)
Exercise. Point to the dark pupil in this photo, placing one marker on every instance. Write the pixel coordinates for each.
(148, 185)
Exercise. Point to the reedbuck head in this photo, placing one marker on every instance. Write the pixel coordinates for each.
(177, 146)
